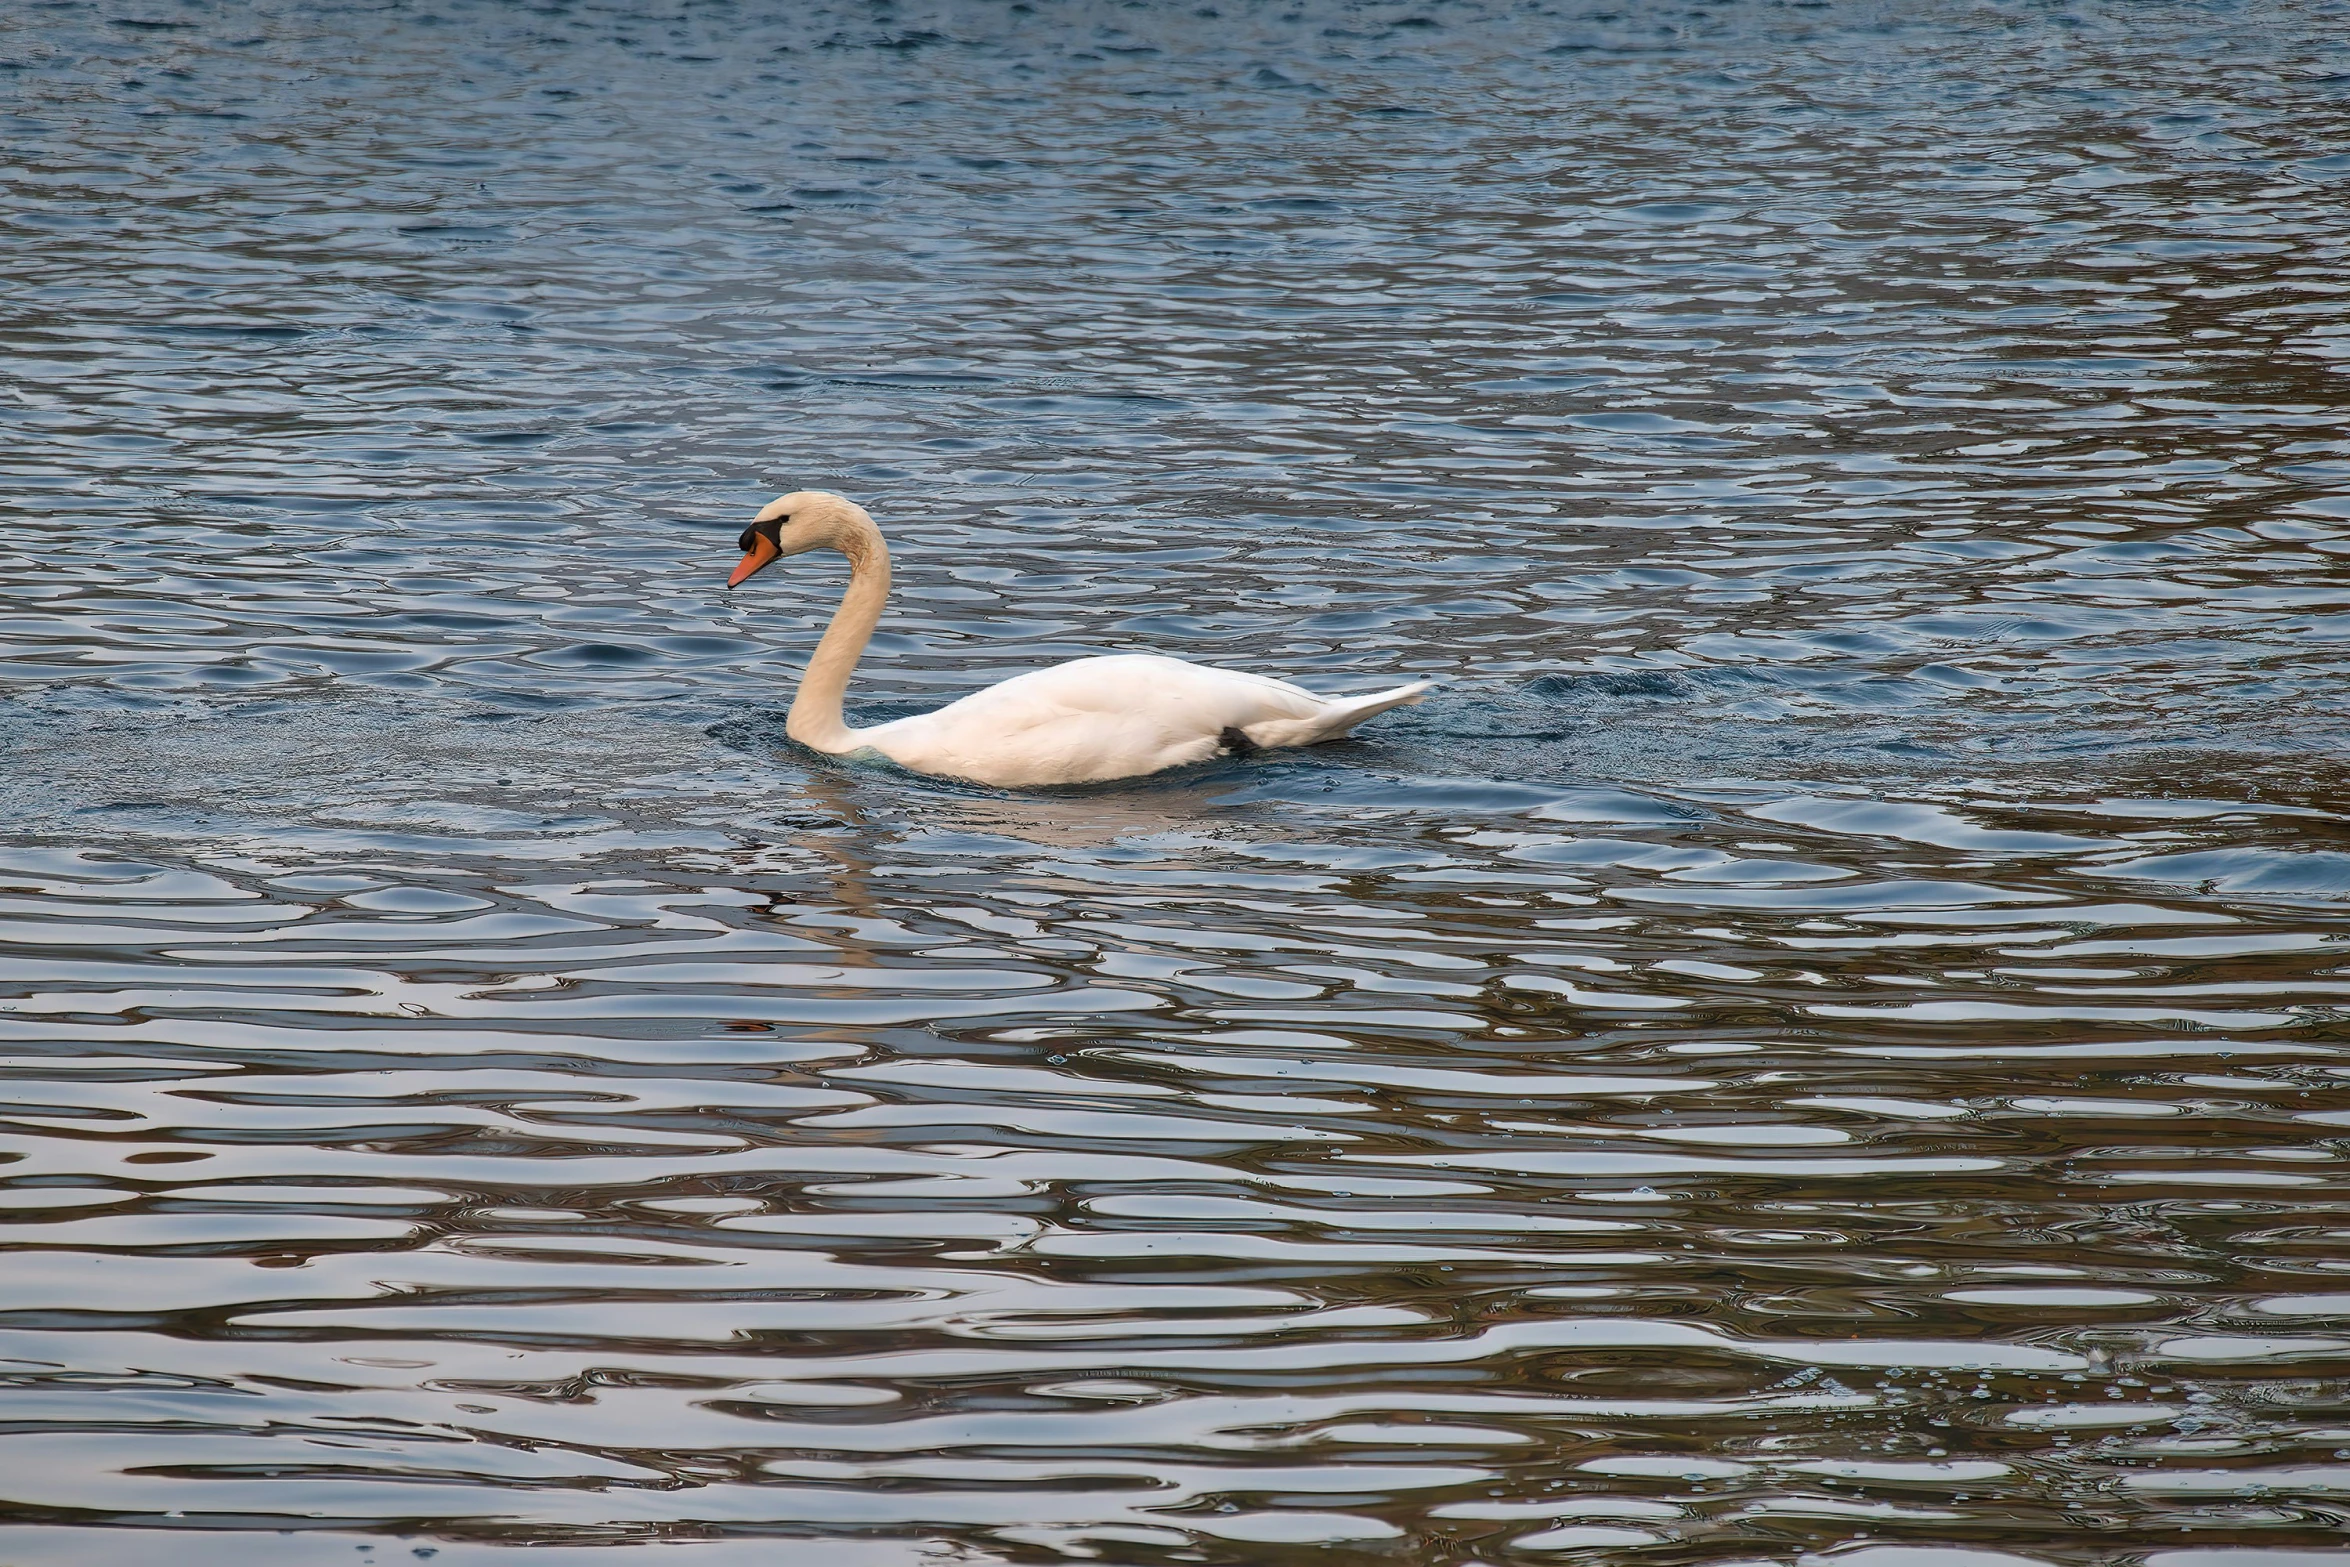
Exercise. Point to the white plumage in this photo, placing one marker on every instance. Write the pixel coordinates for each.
(1081, 722)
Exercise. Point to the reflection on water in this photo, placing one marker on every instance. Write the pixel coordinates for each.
(1827, 1035)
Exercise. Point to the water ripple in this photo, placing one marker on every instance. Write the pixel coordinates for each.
(1823, 1041)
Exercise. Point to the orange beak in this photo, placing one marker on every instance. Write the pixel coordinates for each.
(763, 553)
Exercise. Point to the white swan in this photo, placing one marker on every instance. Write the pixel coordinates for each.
(1080, 722)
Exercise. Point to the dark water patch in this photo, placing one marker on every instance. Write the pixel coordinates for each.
(1608, 684)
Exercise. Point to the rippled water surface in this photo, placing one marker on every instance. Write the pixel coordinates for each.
(1829, 1036)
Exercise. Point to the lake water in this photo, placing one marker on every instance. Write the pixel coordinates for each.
(1828, 1037)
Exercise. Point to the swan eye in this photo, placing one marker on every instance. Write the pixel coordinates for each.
(758, 529)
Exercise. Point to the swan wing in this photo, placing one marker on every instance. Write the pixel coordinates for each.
(1115, 717)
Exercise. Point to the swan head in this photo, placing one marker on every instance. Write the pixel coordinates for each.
(802, 520)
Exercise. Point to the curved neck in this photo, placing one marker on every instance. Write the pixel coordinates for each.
(815, 719)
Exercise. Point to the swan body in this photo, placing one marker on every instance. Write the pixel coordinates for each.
(1085, 721)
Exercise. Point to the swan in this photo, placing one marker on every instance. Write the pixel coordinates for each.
(1085, 721)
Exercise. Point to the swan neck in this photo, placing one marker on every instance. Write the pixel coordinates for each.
(815, 718)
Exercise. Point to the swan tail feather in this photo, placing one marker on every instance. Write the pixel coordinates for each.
(1337, 717)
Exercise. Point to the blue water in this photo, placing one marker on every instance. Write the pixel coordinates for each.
(1823, 1042)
